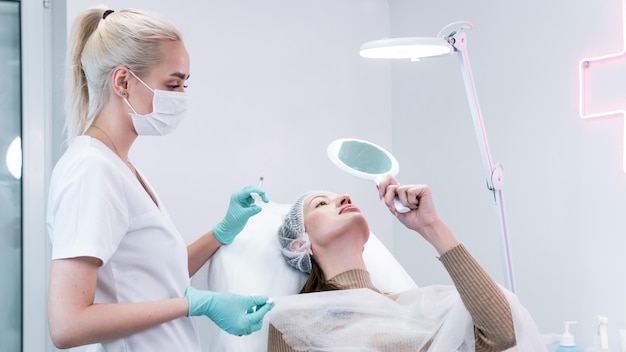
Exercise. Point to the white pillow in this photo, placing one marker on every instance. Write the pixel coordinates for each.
(253, 264)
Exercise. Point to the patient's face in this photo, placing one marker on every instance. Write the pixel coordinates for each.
(331, 219)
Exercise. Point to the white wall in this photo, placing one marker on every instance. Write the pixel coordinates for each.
(564, 186)
(274, 81)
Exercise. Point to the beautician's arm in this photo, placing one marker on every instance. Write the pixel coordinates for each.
(201, 250)
(241, 207)
(74, 319)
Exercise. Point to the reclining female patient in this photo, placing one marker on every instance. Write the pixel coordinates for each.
(324, 234)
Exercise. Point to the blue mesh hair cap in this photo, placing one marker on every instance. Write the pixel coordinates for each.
(294, 241)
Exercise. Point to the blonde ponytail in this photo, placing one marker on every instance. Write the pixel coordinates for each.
(77, 92)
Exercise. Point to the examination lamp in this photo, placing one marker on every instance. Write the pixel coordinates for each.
(452, 40)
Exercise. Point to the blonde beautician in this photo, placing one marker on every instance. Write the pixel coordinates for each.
(120, 272)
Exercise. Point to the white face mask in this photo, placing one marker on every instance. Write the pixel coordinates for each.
(168, 110)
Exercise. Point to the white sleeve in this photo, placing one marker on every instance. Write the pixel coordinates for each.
(88, 213)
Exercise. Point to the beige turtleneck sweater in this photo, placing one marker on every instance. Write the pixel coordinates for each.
(487, 305)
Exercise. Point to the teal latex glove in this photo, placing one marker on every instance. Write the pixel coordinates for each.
(237, 315)
(240, 209)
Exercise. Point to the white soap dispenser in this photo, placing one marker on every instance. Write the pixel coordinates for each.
(568, 344)
(601, 338)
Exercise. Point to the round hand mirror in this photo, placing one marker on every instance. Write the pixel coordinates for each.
(365, 160)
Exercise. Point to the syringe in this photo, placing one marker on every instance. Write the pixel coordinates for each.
(255, 196)
(260, 181)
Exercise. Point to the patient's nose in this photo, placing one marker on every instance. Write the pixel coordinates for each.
(345, 199)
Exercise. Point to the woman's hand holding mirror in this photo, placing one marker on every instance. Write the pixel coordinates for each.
(365, 160)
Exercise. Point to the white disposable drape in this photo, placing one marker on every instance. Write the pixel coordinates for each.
(363, 320)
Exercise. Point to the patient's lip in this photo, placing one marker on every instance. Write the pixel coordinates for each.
(347, 208)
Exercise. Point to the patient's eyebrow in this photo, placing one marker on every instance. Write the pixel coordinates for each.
(317, 196)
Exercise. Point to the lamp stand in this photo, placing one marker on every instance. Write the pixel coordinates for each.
(495, 174)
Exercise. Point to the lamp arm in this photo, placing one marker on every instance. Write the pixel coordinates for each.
(458, 42)
(495, 175)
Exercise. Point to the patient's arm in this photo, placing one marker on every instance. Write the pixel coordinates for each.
(487, 305)
(275, 342)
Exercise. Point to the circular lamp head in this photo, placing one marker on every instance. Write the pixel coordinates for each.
(406, 48)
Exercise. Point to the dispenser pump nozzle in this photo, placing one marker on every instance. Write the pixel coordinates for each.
(567, 339)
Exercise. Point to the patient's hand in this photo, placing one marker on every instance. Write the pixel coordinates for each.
(423, 216)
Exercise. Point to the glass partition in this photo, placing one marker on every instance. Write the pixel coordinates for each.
(10, 179)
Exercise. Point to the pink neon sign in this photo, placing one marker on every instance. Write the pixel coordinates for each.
(603, 66)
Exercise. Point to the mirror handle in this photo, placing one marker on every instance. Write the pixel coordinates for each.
(396, 201)
(399, 206)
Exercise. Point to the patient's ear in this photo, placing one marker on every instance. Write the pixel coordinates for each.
(299, 245)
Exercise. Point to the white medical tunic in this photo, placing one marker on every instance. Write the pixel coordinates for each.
(98, 208)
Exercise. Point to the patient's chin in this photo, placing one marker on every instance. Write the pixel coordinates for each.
(364, 227)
